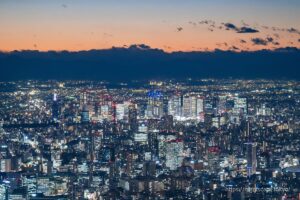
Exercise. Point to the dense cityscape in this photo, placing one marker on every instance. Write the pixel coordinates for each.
(192, 139)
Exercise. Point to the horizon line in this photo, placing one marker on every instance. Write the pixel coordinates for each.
(147, 47)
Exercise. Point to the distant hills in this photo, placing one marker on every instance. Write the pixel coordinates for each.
(144, 62)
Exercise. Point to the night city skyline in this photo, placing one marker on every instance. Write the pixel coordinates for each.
(154, 100)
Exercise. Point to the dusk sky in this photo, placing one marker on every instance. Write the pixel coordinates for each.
(185, 25)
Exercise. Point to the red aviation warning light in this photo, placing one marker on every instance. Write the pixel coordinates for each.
(214, 149)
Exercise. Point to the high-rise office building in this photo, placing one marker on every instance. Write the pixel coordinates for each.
(5, 165)
(200, 105)
(1, 127)
(175, 106)
(221, 107)
(132, 118)
(174, 153)
(155, 105)
(251, 152)
(186, 106)
(240, 105)
(85, 117)
(120, 111)
(163, 139)
(193, 107)
(251, 158)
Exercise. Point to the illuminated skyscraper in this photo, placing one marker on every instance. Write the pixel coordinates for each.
(55, 108)
(240, 105)
(5, 165)
(85, 117)
(120, 111)
(174, 153)
(193, 107)
(186, 106)
(251, 153)
(1, 127)
(251, 158)
(163, 139)
(222, 104)
(200, 105)
(174, 106)
(132, 118)
(155, 105)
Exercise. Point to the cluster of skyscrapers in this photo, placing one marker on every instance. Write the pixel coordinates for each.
(213, 139)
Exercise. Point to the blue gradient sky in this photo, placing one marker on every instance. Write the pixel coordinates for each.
(97, 24)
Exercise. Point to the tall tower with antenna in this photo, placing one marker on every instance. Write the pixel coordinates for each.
(55, 108)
